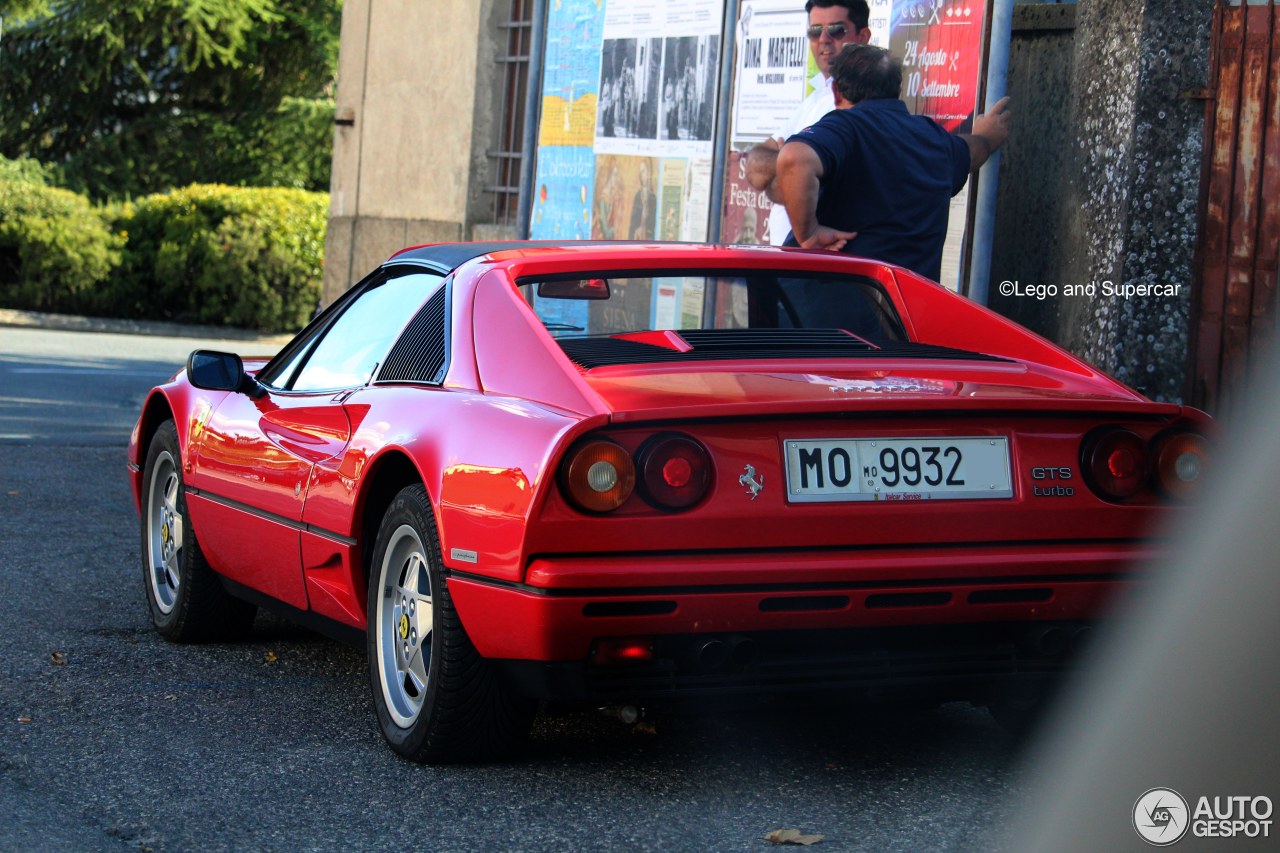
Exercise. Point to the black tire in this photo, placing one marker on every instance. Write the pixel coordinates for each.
(436, 699)
(187, 601)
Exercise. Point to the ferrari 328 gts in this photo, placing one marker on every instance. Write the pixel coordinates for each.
(627, 473)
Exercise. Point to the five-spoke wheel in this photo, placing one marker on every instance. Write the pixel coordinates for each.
(187, 600)
(403, 622)
(164, 526)
(436, 698)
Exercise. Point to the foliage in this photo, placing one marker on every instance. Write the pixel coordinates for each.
(55, 248)
(224, 255)
(137, 97)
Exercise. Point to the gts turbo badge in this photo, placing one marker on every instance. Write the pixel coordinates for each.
(752, 481)
(1057, 489)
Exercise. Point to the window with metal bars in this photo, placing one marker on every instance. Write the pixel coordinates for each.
(506, 156)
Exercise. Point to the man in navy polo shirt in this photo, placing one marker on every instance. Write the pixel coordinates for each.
(873, 180)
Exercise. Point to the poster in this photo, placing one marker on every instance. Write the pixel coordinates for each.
(564, 177)
(625, 205)
(940, 45)
(746, 210)
(626, 134)
(655, 129)
(659, 65)
(771, 68)
(627, 129)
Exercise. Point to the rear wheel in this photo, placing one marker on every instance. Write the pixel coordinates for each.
(187, 600)
(436, 698)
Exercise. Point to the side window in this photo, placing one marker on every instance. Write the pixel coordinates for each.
(353, 346)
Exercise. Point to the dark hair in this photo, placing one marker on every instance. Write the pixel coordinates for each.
(864, 72)
(859, 11)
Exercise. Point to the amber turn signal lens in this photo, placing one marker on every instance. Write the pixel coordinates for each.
(599, 476)
(675, 471)
(1115, 463)
(1182, 463)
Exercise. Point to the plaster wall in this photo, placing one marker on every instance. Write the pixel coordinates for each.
(416, 109)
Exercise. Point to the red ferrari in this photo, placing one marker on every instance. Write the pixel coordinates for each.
(623, 473)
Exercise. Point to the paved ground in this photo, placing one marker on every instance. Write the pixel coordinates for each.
(113, 739)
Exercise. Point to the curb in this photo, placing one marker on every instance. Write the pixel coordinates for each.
(73, 323)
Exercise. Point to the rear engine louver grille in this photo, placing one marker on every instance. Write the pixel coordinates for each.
(419, 355)
(717, 344)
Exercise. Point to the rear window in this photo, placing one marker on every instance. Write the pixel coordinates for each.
(610, 305)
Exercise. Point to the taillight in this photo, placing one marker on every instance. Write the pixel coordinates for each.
(1115, 463)
(622, 650)
(675, 471)
(599, 476)
(1181, 464)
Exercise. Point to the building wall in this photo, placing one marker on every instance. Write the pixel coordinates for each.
(1099, 183)
(1102, 183)
(1031, 244)
(416, 105)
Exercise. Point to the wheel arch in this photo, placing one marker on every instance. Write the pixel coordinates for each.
(391, 472)
(156, 411)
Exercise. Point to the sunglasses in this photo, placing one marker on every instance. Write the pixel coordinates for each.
(836, 31)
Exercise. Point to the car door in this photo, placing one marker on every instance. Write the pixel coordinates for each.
(255, 453)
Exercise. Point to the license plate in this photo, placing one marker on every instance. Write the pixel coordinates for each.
(897, 469)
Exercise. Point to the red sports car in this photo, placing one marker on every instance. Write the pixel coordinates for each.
(631, 472)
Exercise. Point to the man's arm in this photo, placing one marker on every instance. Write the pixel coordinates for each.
(990, 130)
(797, 183)
(762, 166)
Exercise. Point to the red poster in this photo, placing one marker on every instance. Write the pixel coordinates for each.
(746, 210)
(940, 45)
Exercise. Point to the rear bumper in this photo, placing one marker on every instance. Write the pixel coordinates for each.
(976, 662)
(568, 603)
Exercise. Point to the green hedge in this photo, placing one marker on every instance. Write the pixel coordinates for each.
(55, 248)
(220, 255)
(210, 254)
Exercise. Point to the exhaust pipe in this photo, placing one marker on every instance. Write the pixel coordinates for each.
(712, 654)
(1049, 640)
(626, 714)
(742, 652)
(1081, 638)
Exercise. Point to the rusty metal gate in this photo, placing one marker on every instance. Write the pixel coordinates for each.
(1234, 316)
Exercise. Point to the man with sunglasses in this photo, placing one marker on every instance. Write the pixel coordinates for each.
(874, 180)
(832, 25)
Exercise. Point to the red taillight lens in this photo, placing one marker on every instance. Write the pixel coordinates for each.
(1116, 463)
(622, 650)
(599, 476)
(1181, 464)
(675, 471)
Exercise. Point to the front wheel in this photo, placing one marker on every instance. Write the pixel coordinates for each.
(187, 600)
(436, 699)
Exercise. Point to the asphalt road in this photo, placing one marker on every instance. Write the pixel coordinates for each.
(113, 739)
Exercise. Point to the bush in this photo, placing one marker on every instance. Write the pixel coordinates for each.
(224, 256)
(55, 247)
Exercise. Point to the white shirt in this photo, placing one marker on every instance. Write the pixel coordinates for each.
(820, 102)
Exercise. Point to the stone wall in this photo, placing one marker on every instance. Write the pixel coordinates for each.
(1114, 129)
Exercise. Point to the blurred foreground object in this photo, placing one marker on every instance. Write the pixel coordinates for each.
(1183, 695)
